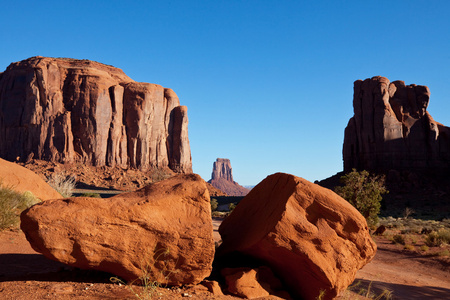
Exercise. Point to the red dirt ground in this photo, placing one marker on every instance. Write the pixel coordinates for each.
(26, 274)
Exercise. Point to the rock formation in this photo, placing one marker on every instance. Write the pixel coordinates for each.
(222, 178)
(163, 230)
(312, 239)
(391, 129)
(68, 110)
(21, 180)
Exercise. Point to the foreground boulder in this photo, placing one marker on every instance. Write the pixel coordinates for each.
(21, 180)
(163, 231)
(311, 238)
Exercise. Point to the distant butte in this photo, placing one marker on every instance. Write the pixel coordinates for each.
(222, 178)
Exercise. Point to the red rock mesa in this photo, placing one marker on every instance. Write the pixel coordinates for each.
(68, 110)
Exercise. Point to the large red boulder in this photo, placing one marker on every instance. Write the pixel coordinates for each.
(163, 231)
(21, 180)
(311, 238)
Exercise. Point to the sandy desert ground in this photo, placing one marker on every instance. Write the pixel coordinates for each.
(25, 274)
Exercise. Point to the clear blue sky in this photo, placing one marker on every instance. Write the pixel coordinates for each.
(268, 84)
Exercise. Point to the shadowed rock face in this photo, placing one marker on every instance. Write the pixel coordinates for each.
(310, 237)
(391, 129)
(222, 178)
(68, 110)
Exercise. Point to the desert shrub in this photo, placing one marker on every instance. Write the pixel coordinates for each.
(214, 204)
(410, 247)
(363, 191)
(91, 194)
(231, 207)
(398, 239)
(12, 204)
(443, 253)
(62, 183)
(438, 238)
(424, 248)
(158, 174)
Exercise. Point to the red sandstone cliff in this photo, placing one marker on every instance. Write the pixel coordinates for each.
(222, 178)
(391, 129)
(68, 110)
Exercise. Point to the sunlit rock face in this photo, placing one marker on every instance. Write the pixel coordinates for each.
(68, 110)
(392, 129)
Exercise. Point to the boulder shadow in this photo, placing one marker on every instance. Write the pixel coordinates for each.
(36, 267)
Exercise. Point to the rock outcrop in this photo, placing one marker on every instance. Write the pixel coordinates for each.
(392, 129)
(312, 239)
(22, 180)
(222, 178)
(163, 231)
(68, 110)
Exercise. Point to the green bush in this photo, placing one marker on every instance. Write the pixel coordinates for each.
(438, 238)
(399, 239)
(214, 204)
(363, 191)
(12, 204)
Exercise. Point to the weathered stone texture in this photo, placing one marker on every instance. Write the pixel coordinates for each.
(69, 110)
(392, 129)
(311, 238)
(163, 231)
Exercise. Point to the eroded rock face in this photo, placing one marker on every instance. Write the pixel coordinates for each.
(391, 129)
(164, 229)
(68, 110)
(311, 238)
(21, 180)
(222, 178)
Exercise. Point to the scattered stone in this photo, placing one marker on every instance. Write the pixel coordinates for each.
(213, 287)
(309, 236)
(380, 230)
(163, 231)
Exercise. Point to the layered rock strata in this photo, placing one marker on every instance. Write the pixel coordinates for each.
(392, 129)
(222, 178)
(163, 232)
(68, 110)
(312, 239)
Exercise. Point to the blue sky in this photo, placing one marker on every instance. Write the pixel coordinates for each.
(268, 84)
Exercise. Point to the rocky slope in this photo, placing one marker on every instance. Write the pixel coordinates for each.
(392, 129)
(68, 110)
(222, 178)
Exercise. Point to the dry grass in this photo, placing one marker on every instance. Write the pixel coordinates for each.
(12, 204)
(62, 183)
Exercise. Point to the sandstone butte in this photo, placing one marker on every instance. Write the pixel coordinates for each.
(222, 178)
(22, 180)
(67, 110)
(311, 238)
(163, 230)
(392, 129)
